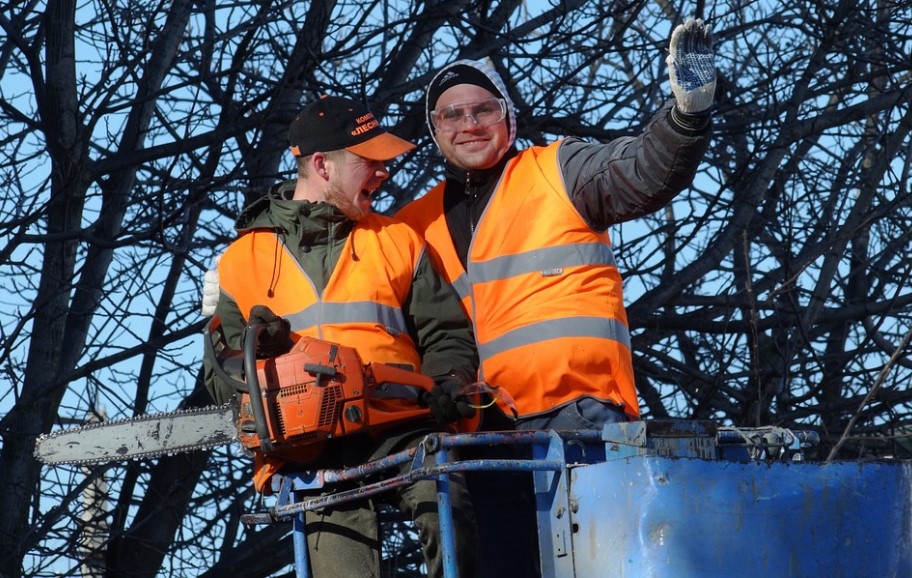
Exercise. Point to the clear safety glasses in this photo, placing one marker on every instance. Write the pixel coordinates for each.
(483, 113)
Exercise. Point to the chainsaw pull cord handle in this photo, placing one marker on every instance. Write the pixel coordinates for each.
(251, 334)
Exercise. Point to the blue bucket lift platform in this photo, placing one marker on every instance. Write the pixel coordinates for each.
(674, 499)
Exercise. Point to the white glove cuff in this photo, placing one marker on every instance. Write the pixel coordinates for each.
(210, 291)
(695, 101)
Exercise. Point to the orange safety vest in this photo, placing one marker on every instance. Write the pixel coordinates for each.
(361, 303)
(545, 298)
(360, 306)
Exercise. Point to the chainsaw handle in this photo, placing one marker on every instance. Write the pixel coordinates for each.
(251, 334)
(252, 384)
(213, 334)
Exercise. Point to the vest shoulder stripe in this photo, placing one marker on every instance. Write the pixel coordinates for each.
(462, 286)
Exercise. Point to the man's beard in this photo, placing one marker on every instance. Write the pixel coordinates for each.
(336, 197)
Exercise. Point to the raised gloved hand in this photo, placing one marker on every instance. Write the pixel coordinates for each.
(692, 66)
(211, 289)
(446, 402)
(274, 339)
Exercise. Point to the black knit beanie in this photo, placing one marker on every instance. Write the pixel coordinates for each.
(458, 74)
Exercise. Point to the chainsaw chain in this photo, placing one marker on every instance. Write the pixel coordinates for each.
(136, 419)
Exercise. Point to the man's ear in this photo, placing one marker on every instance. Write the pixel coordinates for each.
(318, 164)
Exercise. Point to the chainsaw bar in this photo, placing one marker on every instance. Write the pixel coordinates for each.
(141, 437)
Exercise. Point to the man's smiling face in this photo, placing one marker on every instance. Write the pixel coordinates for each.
(472, 147)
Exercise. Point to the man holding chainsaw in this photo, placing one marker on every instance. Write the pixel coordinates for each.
(312, 260)
(522, 236)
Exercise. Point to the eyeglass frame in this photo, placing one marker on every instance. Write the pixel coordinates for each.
(459, 122)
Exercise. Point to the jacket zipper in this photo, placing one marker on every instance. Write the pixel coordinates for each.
(472, 193)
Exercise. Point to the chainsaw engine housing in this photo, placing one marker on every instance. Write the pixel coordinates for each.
(317, 391)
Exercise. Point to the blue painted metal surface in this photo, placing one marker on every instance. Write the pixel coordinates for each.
(688, 517)
(445, 517)
(695, 502)
(299, 541)
(668, 500)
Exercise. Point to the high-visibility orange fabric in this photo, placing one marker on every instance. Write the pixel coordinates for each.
(257, 269)
(549, 317)
(374, 276)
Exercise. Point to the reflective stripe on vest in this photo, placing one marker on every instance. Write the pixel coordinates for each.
(548, 261)
(390, 318)
(554, 329)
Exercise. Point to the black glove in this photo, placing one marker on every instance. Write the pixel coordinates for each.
(445, 403)
(274, 338)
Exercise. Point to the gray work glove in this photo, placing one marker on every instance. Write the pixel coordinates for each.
(692, 66)
(275, 338)
(446, 401)
(210, 290)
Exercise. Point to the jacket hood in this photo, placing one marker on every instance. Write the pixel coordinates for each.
(311, 223)
(256, 214)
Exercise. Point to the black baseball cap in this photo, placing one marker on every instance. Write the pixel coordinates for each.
(334, 123)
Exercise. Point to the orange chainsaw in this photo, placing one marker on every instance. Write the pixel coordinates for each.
(317, 391)
(287, 408)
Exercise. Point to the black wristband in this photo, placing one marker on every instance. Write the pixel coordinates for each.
(689, 124)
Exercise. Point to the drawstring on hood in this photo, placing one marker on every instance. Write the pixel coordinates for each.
(301, 226)
(274, 276)
(354, 254)
(475, 72)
